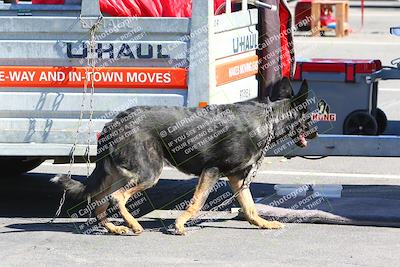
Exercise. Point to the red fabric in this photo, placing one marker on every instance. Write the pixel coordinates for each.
(131, 8)
(153, 8)
(48, 2)
(177, 8)
(285, 52)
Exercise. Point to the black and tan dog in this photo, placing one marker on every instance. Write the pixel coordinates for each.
(213, 142)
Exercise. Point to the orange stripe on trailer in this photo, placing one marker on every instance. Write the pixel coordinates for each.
(110, 77)
(203, 104)
(237, 70)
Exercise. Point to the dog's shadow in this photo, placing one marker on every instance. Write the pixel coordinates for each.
(32, 196)
(163, 226)
(73, 227)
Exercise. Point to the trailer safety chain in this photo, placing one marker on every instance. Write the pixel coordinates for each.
(90, 69)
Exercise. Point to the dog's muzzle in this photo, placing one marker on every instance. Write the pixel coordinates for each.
(302, 140)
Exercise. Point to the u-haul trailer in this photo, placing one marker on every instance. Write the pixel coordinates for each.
(203, 60)
(192, 62)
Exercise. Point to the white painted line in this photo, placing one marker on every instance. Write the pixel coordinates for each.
(47, 163)
(389, 89)
(381, 15)
(332, 174)
(330, 42)
(330, 191)
(83, 165)
(289, 173)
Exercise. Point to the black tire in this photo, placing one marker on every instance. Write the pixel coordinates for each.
(382, 120)
(18, 165)
(360, 122)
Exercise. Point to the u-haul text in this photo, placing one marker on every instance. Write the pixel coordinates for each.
(78, 76)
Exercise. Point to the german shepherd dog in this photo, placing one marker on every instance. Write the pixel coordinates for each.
(212, 142)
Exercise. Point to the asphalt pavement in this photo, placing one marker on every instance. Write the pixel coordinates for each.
(28, 242)
(28, 202)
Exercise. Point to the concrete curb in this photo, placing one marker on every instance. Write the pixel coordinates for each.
(376, 4)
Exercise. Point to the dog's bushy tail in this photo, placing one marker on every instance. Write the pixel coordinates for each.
(74, 188)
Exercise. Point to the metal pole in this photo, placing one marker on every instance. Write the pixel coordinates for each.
(228, 6)
(362, 13)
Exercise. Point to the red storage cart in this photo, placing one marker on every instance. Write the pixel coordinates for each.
(346, 103)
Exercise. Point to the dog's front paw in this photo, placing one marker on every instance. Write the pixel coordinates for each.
(180, 229)
(137, 229)
(271, 225)
(120, 230)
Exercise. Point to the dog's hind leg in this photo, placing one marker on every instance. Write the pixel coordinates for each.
(207, 180)
(121, 197)
(101, 214)
(248, 207)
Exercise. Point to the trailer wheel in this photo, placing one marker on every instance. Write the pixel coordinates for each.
(360, 123)
(381, 119)
(18, 165)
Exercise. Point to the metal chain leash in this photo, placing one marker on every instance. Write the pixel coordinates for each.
(246, 182)
(91, 64)
(249, 178)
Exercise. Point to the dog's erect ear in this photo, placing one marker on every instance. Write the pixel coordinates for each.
(282, 90)
(302, 96)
